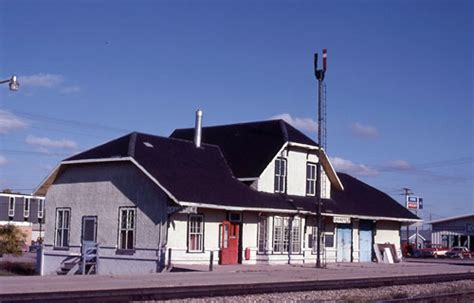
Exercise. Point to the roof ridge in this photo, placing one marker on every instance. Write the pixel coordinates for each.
(163, 137)
(234, 124)
(284, 130)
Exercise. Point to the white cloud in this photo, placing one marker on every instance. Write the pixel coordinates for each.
(352, 168)
(9, 122)
(70, 89)
(3, 160)
(44, 142)
(399, 165)
(306, 124)
(41, 80)
(364, 131)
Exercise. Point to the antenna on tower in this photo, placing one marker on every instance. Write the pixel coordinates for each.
(322, 137)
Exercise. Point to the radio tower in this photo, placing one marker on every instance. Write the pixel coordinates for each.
(319, 73)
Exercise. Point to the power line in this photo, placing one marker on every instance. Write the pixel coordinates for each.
(426, 165)
(72, 122)
(30, 152)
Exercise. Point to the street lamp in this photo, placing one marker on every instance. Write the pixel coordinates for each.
(12, 83)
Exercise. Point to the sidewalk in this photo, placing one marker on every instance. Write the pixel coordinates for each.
(222, 275)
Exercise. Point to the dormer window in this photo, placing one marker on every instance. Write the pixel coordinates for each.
(280, 175)
(310, 179)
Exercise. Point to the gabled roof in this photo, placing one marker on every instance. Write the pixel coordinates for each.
(201, 177)
(248, 147)
(359, 198)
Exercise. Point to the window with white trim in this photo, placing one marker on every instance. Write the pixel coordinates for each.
(11, 207)
(296, 235)
(280, 175)
(195, 233)
(310, 179)
(26, 208)
(40, 208)
(63, 217)
(127, 226)
(262, 234)
(281, 234)
(327, 237)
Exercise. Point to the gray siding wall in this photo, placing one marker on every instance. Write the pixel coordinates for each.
(100, 190)
(3, 208)
(459, 227)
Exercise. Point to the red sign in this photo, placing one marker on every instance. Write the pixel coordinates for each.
(412, 205)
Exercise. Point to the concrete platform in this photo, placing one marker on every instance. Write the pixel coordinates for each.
(222, 275)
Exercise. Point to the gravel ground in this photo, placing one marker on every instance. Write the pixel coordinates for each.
(346, 295)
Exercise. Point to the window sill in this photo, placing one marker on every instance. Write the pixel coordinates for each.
(195, 252)
(125, 252)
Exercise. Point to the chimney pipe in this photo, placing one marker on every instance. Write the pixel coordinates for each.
(198, 129)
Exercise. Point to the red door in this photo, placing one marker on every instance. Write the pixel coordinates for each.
(229, 250)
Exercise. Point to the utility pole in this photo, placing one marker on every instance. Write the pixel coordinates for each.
(319, 73)
(407, 193)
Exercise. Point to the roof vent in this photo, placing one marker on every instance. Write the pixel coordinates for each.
(198, 129)
(148, 144)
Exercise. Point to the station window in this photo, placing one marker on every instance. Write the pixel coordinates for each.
(196, 233)
(63, 217)
(310, 179)
(280, 175)
(296, 235)
(262, 234)
(127, 228)
(281, 235)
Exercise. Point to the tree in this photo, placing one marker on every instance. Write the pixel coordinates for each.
(10, 236)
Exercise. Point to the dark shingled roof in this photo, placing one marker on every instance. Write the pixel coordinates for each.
(201, 175)
(248, 147)
(190, 174)
(358, 198)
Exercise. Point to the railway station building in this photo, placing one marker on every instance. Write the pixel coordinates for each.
(245, 192)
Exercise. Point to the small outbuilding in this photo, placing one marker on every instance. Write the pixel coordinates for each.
(454, 231)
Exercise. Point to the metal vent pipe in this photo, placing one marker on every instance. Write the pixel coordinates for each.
(198, 129)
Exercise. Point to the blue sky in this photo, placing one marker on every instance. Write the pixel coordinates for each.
(399, 81)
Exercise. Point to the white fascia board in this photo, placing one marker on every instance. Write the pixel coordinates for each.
(239, 208)
(376, 218)
(450, 218)
(333, 171)
(87, 161)
(247, 179)
(21, 196)
(50, 177)
(276, 210)
(330, 171)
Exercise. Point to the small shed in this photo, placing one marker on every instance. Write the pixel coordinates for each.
(454, 231)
